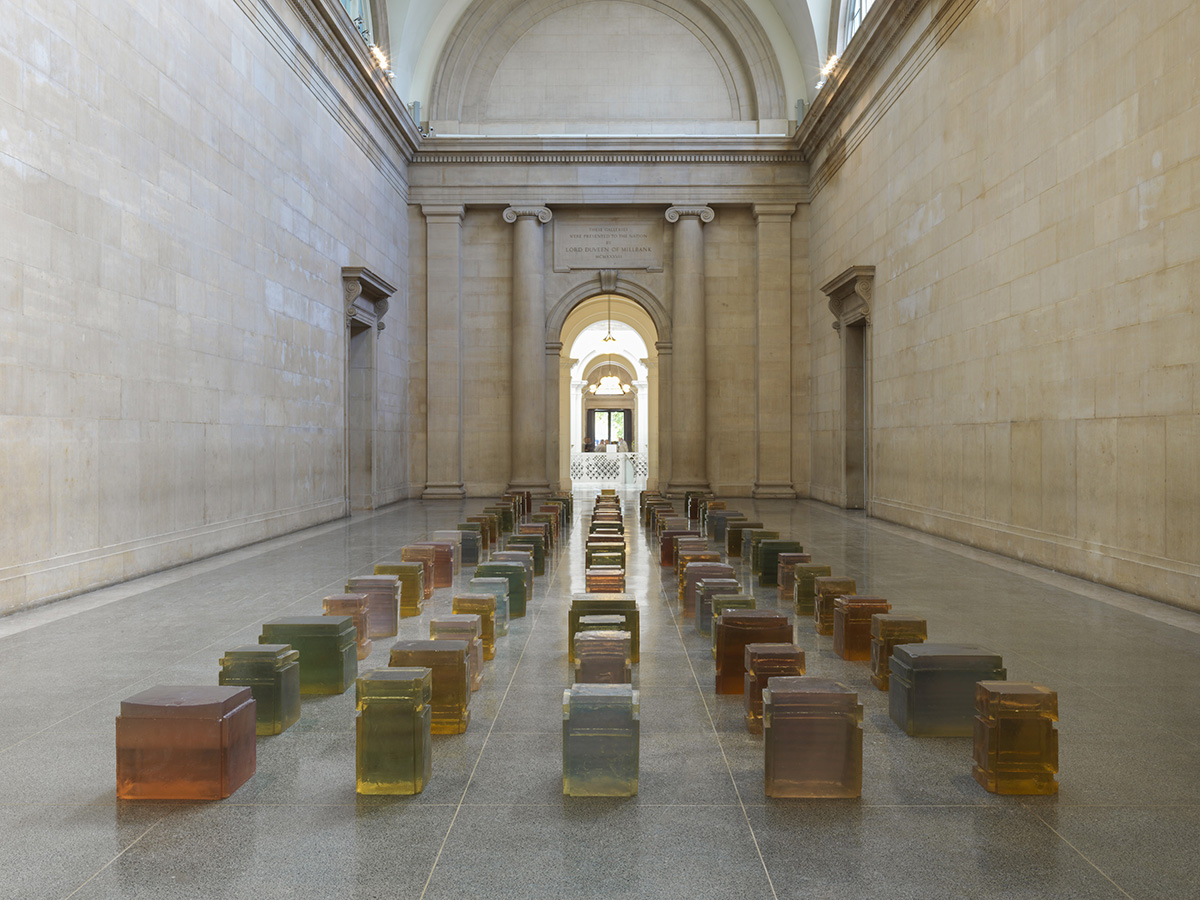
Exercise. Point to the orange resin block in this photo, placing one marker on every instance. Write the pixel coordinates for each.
(443, 561)
(184, 742)
(383, 603)
(765, 661)
(737, 628)
(604, 579)
(706, 589)
(451, 667)
(484, 607)
(462, 627)
(523, 558)
(804, 594)
(886, 632)
(723, 602)
(357, 607)
(425, 556)
(852, 625)
(1016, 745)
(827, 589)
(812, 739)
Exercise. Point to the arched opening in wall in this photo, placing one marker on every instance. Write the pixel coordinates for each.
(608, 395)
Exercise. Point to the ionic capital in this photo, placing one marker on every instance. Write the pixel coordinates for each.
(515, 212)
(703, 213)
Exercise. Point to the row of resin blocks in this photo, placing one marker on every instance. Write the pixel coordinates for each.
(601, 717)
(939, 689)
(199, 742)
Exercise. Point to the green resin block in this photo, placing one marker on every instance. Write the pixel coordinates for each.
(482, 606)
(931, 688)
(534, 543)
(498, 588)
(272, 672)
(706, 589)
(394, 753)
(804, 593)
(751, 538)
(723, 603)
(812, 739)
(410, 578)
(383, 603)
(328, 650)
(768, 559)
(515, 573)
(614, 604)
(524, 558)
(695, 572)
(733, 536)
(506, 514)
(600, 740)
(451, 665)
(716, 523)
(548, 520)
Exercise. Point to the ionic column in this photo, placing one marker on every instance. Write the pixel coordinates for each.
(689, 395)
(528, 420)
(443, 301)
(774, 375)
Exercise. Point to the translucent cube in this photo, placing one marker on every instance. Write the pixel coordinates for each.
(886, 632)
(1016, 744)
(515, 573)
(327, 647)
(451, 667)
(394, 753)
(358, 608)
(765, 661)
(931, 690)
(498, 588)
(706, 589)
(812, 739)
(272, 672)
(612, 604)
(462, 627)
(723, 602)
(602, 657)
(852, 625)
(600, 740)
(383, 603)
(410, 585)
(426, 556)
(483, 606)
(804, 595)
(734, 630)
(827, 589)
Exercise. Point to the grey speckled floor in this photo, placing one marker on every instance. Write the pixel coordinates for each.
(493, 822)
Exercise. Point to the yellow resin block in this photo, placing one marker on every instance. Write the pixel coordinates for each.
(394, 752)
(1016, 744)
(886, 632)
(483, 606)
(451, 679)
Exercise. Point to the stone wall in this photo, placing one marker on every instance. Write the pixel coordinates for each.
(176, 205)
(1028, 193)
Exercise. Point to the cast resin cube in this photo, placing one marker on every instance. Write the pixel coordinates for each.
(383, 603)
(723, 602)
(357, 607)
(751, 538)
(1016, 745)
(693, 574)
(490, 529)
(667, 544)
(327, 646)
(550, 531)
(737, 628)
(602, 657)
(506, 514)
(272, 672)
(425, 556)
(443, 561)
(612, 604)
(828, 588)
(600, 740)
(515, 573)
(394, 752)
(523, 558)
(717, 522)
(812, 739)
(685, 556)
(785, 574)
(185, 742)
(706, 589)
(604, 579)
(498, 588)
(451, 667)
(410, 578)
(804, 596)
(462, 627)
(733, 535)
(886, 632)
(768, 559)
(483, 606)
(533, 543)
(852, 625)
(765, 661)
(454, 538)
(931, 689)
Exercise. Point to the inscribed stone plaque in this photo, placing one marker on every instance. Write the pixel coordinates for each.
(607, 243)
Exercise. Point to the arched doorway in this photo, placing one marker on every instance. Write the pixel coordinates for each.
(608, 390)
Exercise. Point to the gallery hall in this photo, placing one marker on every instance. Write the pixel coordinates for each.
(299, 297)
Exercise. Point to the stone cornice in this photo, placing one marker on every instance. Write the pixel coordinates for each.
(865, 82)
(533, 150)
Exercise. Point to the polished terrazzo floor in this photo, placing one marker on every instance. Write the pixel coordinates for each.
(493, 822)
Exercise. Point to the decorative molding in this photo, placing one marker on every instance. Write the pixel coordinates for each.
(850, 296)
(366, 296)
(553, 348)
(515, 212)
(773, 211)
(345, 49)
(703, 213)
(443, 211)
(445, 157)
(608, 280)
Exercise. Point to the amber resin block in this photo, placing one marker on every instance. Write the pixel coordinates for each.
(383, 602)
(931, 689)
(1016, 745)
(812, 739)
(506, 514)
(394, 752)
(185, 742)
(765, 661)
(532, 543)
(548, 522)
(425, 556)
(733, 535)
(498, 588)
(723, 602)
(600, 740)
(602, 657)
(686, 556)
(706, 589)
(666, 547)
(737, 628)
(804, 596)
(327, 646)
(272, 672)
(695, 572)
(462, 627)
(490, 526)
(450, 662)
(827, 589)
(611, 604)
(357, 607)
(785, 574)
(410, 585)
(767, 559)
(515, 573)
(604, 579)
(886, 632)
(852, 625)
(483, 607)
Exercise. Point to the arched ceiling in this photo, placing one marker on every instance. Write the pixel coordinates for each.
(420, 31)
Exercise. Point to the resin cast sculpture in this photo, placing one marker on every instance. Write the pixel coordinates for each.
(394, 753)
